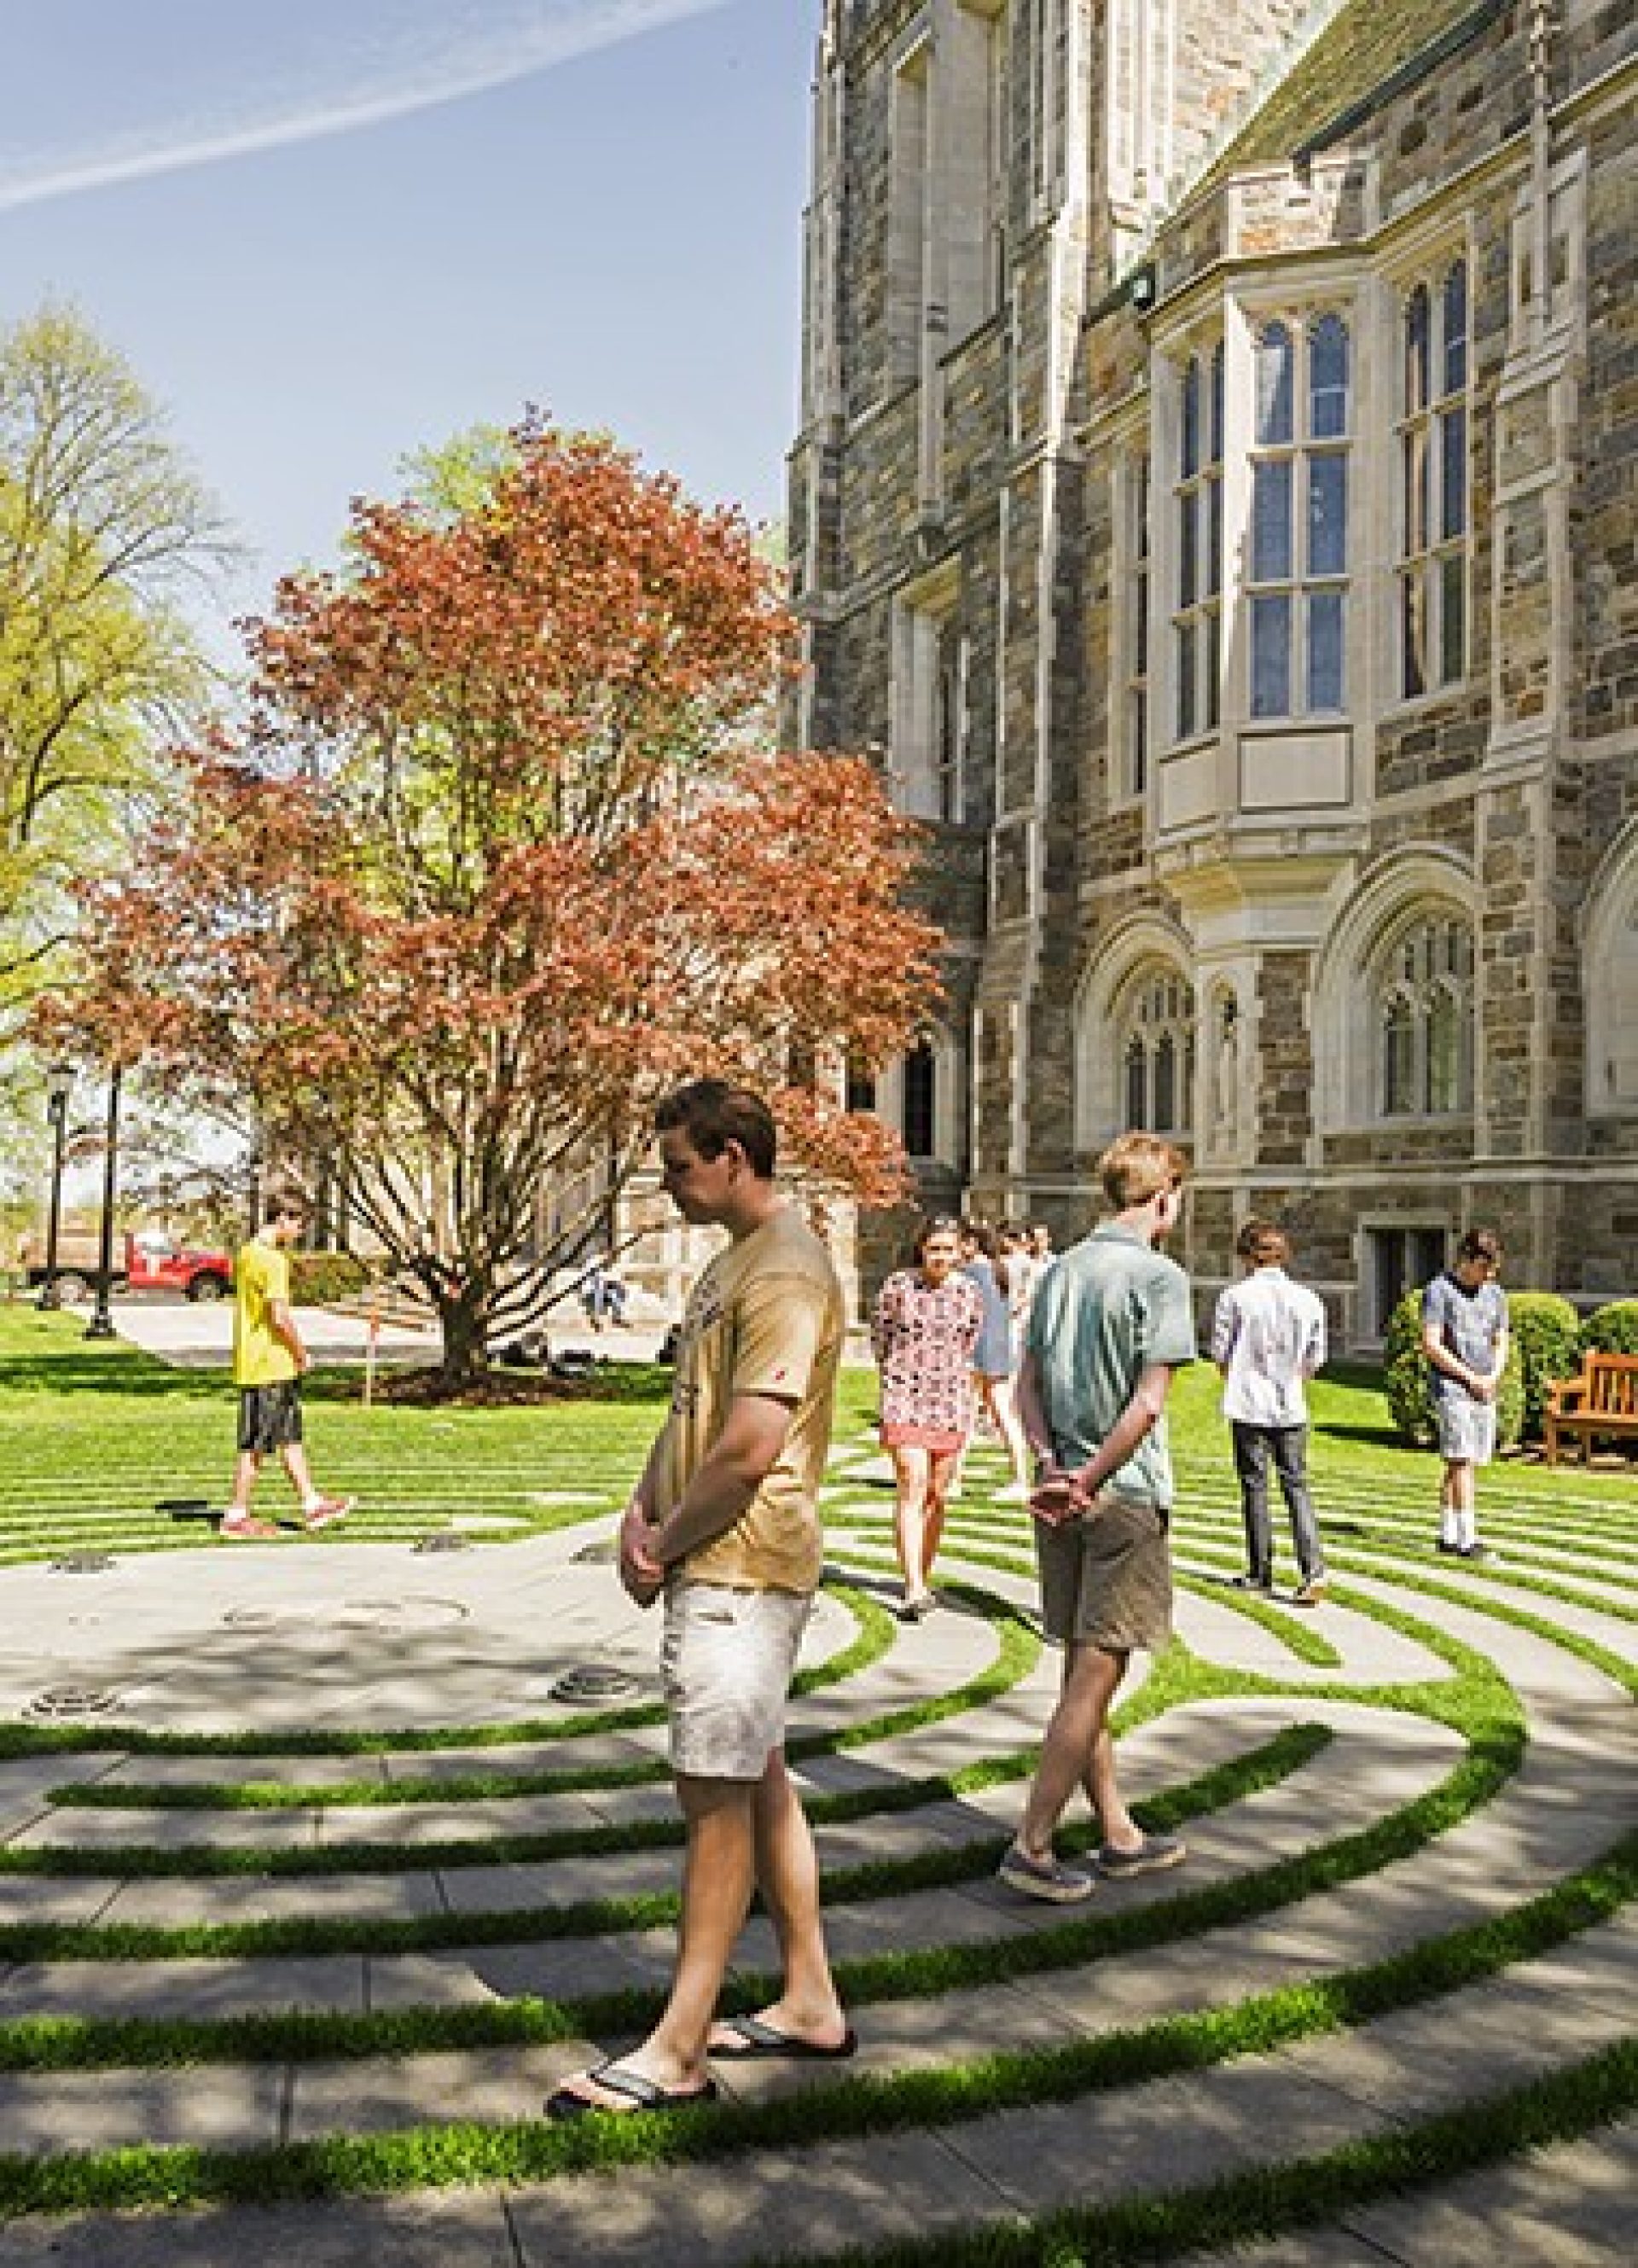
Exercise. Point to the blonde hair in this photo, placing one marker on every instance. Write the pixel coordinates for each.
(1137, 1167)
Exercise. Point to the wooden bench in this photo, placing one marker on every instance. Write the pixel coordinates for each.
(1602, 1401)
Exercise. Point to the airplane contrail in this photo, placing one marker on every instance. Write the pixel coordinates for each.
(449, 57)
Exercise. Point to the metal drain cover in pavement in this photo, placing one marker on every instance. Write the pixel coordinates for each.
(594, 1681)
(60, 1703)
(443, 1540)
(596, 1555)
(81, 1563)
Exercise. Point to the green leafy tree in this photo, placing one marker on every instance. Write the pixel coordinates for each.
(105, 538)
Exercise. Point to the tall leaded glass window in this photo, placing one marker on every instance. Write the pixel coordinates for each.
(1158, 1052)
(1299, 560)
(1435, 512)
(1425, 1019)
(1135, 648)
(919, 1121)
(1197, 618)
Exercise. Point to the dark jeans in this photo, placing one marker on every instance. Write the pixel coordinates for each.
(1289, 1444)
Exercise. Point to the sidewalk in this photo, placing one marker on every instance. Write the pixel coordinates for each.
(200, 1338)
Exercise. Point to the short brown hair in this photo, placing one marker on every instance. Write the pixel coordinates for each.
(712, 1114)
(1480, 1244)
(936, 1224)
(285, 1202)
(1263, 1244)
(1138, 1166)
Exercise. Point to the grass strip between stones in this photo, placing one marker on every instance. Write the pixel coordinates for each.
(853, 2107)
(1174, 1680)
(1493, 1726)
(942, 1866)
(1269, 2201)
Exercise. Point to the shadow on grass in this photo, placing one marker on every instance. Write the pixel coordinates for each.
(72, 1365)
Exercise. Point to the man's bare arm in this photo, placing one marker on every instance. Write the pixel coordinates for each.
(738, 1461)
(282, 1323)
(1032, 1412)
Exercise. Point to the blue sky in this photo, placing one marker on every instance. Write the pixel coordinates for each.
(317, 263)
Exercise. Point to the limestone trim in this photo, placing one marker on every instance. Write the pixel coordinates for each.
(1422, 880)
(1610, 958)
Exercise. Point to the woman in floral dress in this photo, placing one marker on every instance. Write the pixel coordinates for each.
(926, 1326)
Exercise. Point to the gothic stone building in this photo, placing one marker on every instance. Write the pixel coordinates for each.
(1217, 497)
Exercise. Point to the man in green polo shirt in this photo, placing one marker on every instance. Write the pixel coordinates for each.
(1110, 1325)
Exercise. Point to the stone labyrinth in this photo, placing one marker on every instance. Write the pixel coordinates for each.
(297, 1933)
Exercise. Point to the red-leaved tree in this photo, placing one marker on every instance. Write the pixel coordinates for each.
(496, 860)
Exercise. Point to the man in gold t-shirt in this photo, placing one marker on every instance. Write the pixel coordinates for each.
(724, 1524)
(269, 1359)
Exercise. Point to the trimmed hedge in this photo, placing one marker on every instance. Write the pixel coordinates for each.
(1546, 1331)
(318, 1278)
(1611, 1330)
(1404, 1382)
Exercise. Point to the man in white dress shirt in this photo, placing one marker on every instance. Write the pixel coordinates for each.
(1268, 1339)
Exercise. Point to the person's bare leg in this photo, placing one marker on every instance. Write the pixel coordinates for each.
(1101, 1782)
(717, 1880)
(246, 1466)
(1090, 1678)
(787, 1875)
(941, 1471)
(910, 1472)
(294, 1457)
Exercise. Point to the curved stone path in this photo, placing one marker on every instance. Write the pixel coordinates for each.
(346, 1935)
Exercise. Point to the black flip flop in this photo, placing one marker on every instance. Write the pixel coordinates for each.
(758, 2042)
(643, 2095)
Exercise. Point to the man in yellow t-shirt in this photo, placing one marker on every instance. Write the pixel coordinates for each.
(725, 1525)
(268, 1360)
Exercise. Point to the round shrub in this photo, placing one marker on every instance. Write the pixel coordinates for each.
(1611, 1330)
(319, 1277)
(1404, 1382)
(1405, 1374)
(1546, 1331)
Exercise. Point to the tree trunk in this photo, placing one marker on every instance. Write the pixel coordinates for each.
(464, 1312)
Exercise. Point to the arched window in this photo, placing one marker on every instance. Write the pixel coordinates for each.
(1157, 1020)
(920, 1117)
(1424, 1017)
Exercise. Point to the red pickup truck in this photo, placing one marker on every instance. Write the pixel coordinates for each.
(144, 1260)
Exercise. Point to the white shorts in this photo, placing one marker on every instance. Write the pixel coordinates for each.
(1467, 1429)
(726, 1662)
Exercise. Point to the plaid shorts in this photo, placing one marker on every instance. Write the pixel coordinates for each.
(1467, 1429)
(269, 1416)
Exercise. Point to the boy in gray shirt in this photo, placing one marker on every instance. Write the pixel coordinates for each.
(1465, 1337)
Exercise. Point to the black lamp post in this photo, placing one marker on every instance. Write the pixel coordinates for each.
(102, 1323)
(59, 1087)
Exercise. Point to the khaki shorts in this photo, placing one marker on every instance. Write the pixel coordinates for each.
(726, 1662)
(1107, 1580)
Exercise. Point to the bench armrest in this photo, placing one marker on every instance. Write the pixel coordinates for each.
(1565, 1394)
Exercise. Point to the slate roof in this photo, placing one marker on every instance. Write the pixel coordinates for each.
(1367, 45)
